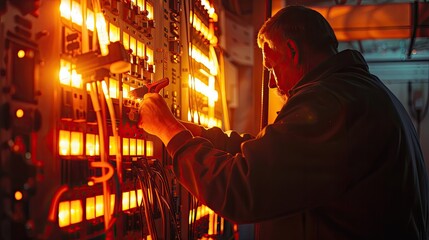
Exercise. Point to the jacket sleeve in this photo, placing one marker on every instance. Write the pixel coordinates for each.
(293, 164)
(227, 141)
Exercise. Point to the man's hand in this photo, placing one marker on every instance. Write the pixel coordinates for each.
(156, 118)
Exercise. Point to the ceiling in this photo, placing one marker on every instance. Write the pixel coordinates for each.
(397, 49)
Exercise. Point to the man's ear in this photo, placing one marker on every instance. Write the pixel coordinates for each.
(292, 48)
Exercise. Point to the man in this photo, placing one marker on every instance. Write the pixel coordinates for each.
(341, 160)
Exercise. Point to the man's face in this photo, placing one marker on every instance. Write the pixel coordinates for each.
(283, 71)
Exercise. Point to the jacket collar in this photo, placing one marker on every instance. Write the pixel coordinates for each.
(346, 58)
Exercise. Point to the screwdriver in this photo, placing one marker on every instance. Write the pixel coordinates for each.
(138, 93)
(153, 87)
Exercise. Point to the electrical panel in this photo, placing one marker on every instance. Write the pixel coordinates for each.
(73, 162)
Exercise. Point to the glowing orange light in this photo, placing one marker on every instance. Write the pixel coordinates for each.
(76, 79)
(202, 58)
(140, 49)
(65, 9)
(199, 213)
(125, 201)
(103, 36)
(133, 199)
(149, 148)
(214, 40)
(114, 33)
(139, 196)
(149, 54)
(195, 117)
(149, 9)
(97, 145)
(206, 90)
(113, 88)
(112, 146)
(125, 146)
(29, 54)
(140, 147)
(133, 146)
(206, 31)
(140, 4)
(65, 72)
(19, 113)
(99, 205)
(212, 223)
(69, 212)
(64, 214)
(90, 208)
(18, 195)
(21, 53)
(126, 90)
(126, 40)
(75, 211)
(213, 15)
(133, 45)
(90, 20)
(16, 147)
(189, 116)
(76, 143)
(112, 203)
(76, 13)
(90, 144)
(64, 142)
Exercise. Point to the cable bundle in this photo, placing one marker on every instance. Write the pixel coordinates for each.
(156, 200)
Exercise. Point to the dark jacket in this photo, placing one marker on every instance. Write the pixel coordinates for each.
(341, 161)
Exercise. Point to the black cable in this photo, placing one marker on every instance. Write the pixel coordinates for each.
(176, 202)
(415, 19)
(159, 171)
(116, 208)
(156, 193)
(417, 113)
(139, 204)
(144, 181)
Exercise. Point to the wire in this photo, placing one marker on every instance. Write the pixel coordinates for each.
(103, 157)
(139, 204)
(414, 25)
(101, 28)
(118, 152)
(156, 195)
(158, 169)
(193, 205)
(54, 203)
(105, 177)
(222, 85)
(193, 100)
(145, 203)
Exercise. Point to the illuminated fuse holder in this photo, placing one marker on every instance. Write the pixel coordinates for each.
(138, 93)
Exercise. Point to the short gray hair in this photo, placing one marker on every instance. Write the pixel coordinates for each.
(303, 25)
